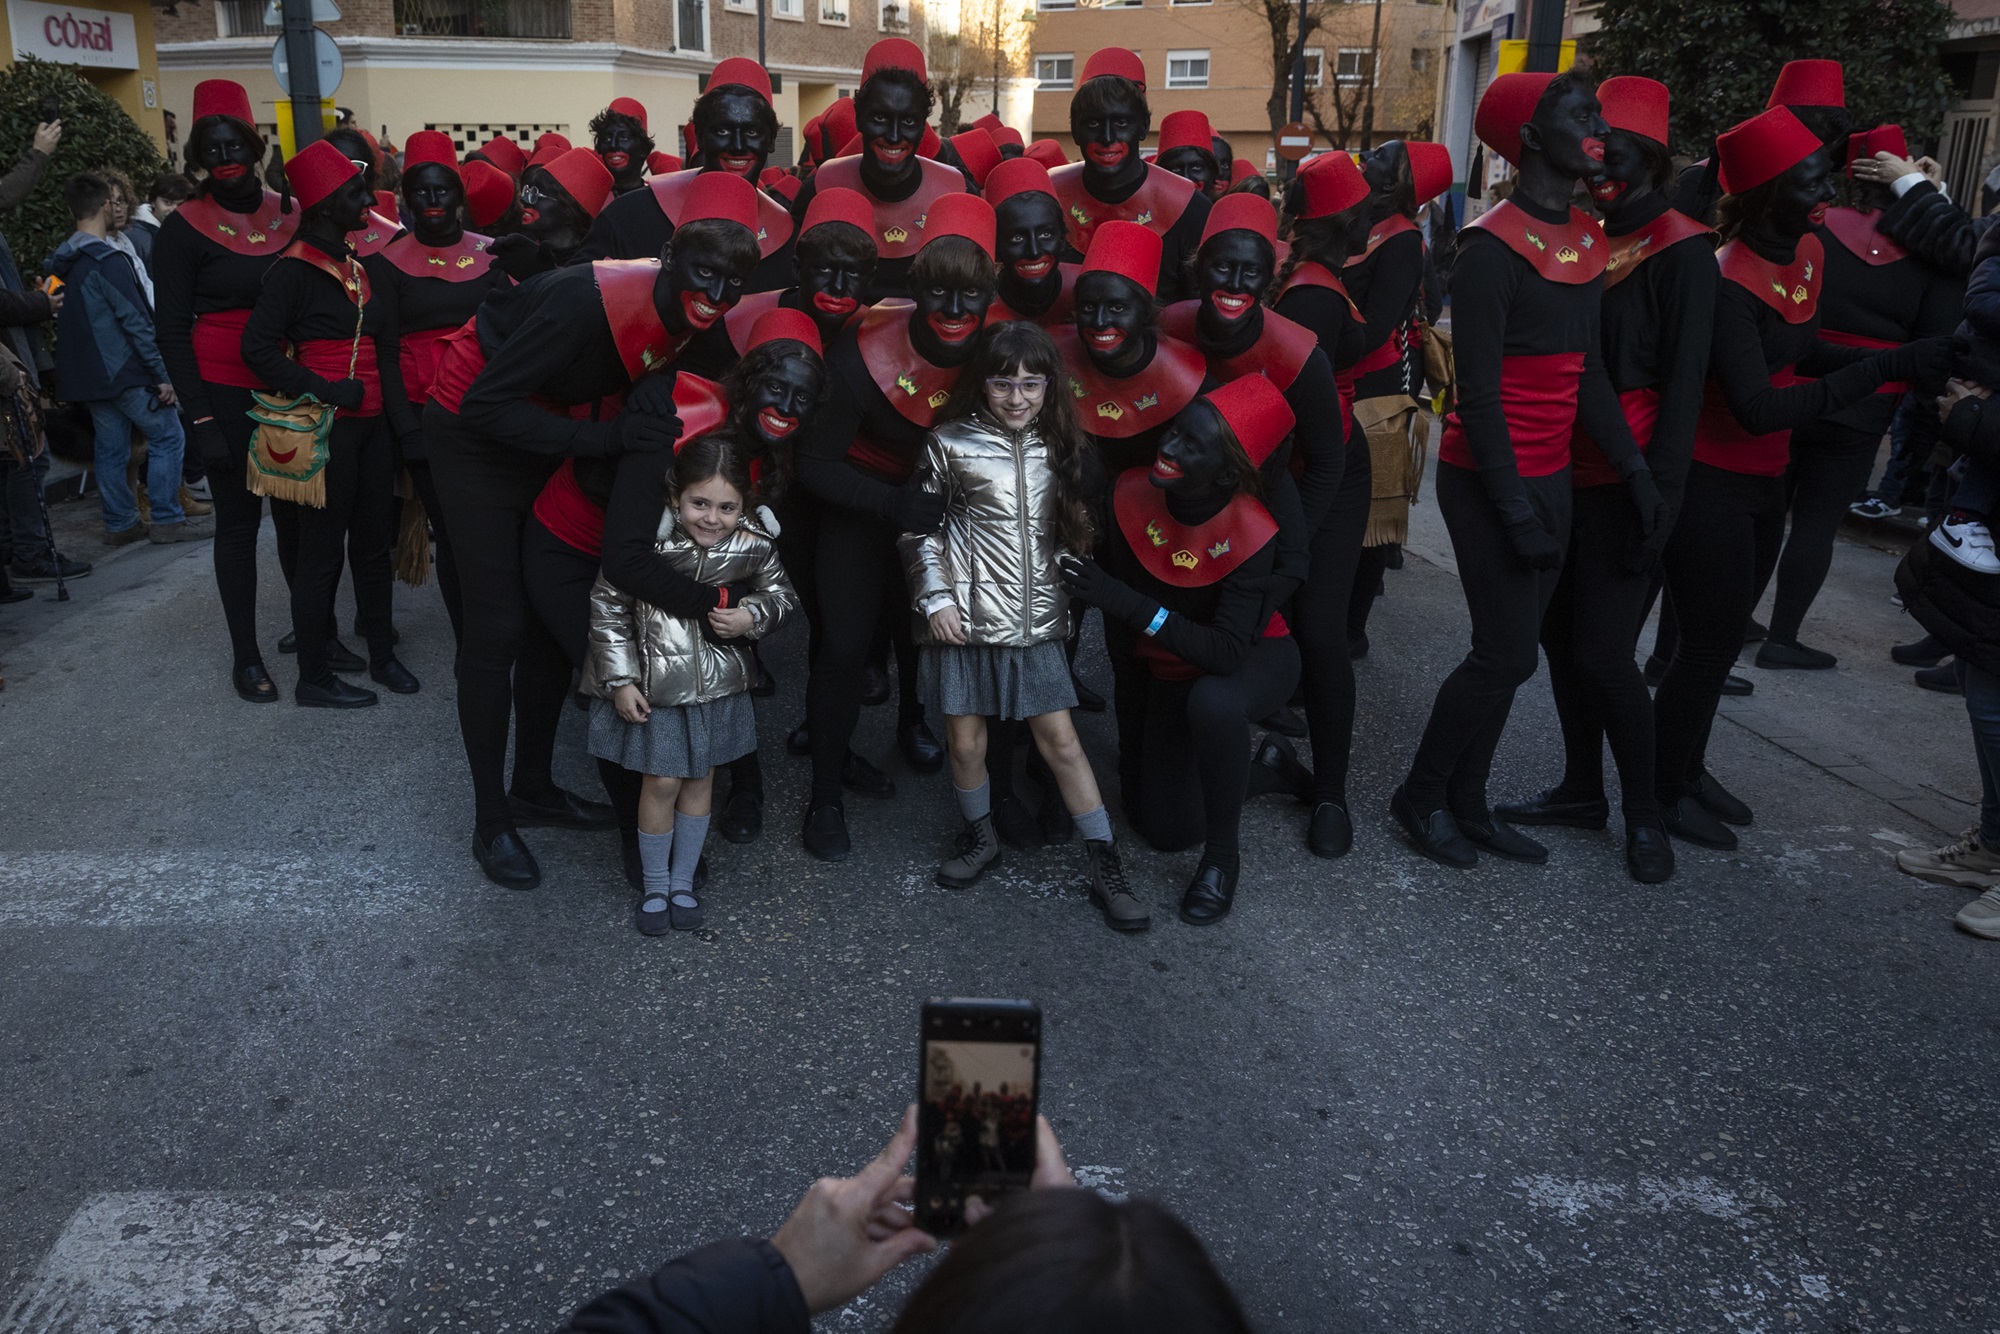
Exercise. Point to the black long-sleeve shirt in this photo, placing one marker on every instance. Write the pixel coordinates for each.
(1896, 303)
(193, 275)
(414, 305)
(1212, 627)
(1385, 287)
(727, 1287)
(854, 406)
(1752, 340)
(1314, 397)
(634, 226)
(302, 303)
(549, 339)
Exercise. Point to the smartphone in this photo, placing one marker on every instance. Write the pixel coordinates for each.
(51, 109)
(978, 1092)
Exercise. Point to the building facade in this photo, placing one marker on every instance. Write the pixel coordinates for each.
(112, 41)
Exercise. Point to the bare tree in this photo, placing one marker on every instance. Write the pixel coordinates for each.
(1333, 107)
(985, 47)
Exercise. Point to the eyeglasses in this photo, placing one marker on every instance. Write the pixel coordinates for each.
(1034, 386)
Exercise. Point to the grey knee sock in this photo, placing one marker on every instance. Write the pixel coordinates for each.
(1094, 825)
(690, 832)
(975, 803)
(655, 857)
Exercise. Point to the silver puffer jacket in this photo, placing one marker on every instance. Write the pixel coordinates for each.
(669, 658)
(995, 554)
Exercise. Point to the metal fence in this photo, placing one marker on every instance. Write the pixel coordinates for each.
(480, 18)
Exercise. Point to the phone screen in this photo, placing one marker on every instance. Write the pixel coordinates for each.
(978, 1096)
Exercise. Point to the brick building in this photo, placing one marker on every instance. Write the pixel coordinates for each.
(476, 68)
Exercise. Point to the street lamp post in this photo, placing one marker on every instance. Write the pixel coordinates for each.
(1374, 76)
(1299, 84)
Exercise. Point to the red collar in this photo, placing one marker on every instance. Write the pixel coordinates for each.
(699, 403)
(1058, 314)
(1393, 225)
(457, 263)
(265, 230)
(1119, 409)
(1790, 289)
(1278, 355)
(1628, 252)
(1176, 554)
(1855, 230)
(899, 225)
(917, 389)
(1312, 273)
(1572, 252)
(351, 276)
(774, 220)
(625, 286)
(374, 235)
(1158, 202)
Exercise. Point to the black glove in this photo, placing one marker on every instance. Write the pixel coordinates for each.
(648, 423)
(1088, 582)
(1536, 547)
(345, 394)
(1924, 359)
(412, 444)
(210, 446)
(1643, 551)
(918, 510)
(1646, 499)
(518, 255)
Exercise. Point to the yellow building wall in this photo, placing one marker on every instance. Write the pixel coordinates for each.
(131, 88)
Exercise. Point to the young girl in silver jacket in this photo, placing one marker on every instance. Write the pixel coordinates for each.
(1009, 462)
(673, 692)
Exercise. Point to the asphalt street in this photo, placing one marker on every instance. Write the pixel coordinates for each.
(276, 1057)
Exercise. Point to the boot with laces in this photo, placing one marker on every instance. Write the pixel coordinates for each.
(1109, 891)
(978, 847)
(1966, 864)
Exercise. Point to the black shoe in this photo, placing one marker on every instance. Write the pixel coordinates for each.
(1738, 685)
(1013, 823)
(1502, 840)
(1773, 654)
(341, 658)
(874, 686)
(332, 693)
(1655, 671)
(12, 595)
(825, 833)
(684, 911)
(1330, 832)
(857, 775)
(921, 750)
(1718, 801)
(506, 860)
(1555, 807)
(1435, 833)
(654, 916)
(560, 810)
(1691, 822)
(394, 676)
(255, 684)
(289, 643)
(1755, 631)
(742, 818)
(1276, 768)
(1926, 652)
(1285, 723)
(1942, 678)
(1649, 853)
(1086, 699)
(1357, 647)
(1209, 896)
(798, 741)
(44, 571)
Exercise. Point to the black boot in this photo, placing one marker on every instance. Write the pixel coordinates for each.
(1276, 768)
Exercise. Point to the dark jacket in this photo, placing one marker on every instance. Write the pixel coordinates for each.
(1934, 229)
(105, 328)
(729, 1287)
(1959, 606)
(15, 187)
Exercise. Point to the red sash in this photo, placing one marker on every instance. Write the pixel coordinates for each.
(218, 349)
(1158, 203)
(915, 388)
(459, 362)
(1587, 464)
(568, 513)
(373, 236)
(625, 286)
(328, 358)
(899, 225)
(1538, 398)
(457, 263)
(774, 220)
(1855, 230)
(265, 230)
(1841, 338)
(1060, 313)
(417, 357)
(1721, 442)
(1393, 225)
(1572, 252)
(1790, 289)
(1628, 252)
(1119, 409)
(1278, 355)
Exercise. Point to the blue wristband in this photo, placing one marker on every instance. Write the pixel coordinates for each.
(1159, 619)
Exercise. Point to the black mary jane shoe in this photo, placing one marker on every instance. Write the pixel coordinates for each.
(1501, 839)
(1719, 801)
(1209, 896)
(341, 658)
(395, 677)
(921, 750)
(1649, 853)
(1691, 822)
(254, 684)
(506, 860)
(1086, 699)
(1738, 686)
(1014, 824)
(633, 864)
(332, 693)
(874, 686)
(1434, 834)
(1276, 768)
(799, 741)
(825, 833)
(742, 818)
(1330, 832)
(1553, 806)
(1773, 654)
(654, 916)
(862, 777)
(561, 809)
(684, 911)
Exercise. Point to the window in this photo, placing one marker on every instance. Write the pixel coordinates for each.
(895, 17)
(691, 25)
(1121, 4)
(1187, 69)
(1055, 4)
(1315, 65)
(789, 9)
(1054, 74)
(1355, 64)
(833, 11)
(1420, 60)
(746, 6)
(1182, 4)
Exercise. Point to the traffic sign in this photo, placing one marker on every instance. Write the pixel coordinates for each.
(1294, 142)
(324, 11)
(325, 52)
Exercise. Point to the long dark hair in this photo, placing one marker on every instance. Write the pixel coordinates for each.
(1017, 346)
(1314, 240)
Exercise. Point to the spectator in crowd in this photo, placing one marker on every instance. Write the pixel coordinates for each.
(169, 192)
(124, 205)
(112, 364)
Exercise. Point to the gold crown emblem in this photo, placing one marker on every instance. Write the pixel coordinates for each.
(1154, 535)
(256, 238)
(1149, 401)
(1186, 559)
(1567, 256)
(464, 261)
(1808, 270)
(1076, 389)
(1111, 410)
(1535, 241)
(906, 384)
(939, 399)
(1145, 219)
(1779, 288)
(1219, 550)
(1799, 294)
(896, 235)
(435, 259)
(763, 235)
(1586, 240)
(1076, 211)
(225, 229)
(647, 357)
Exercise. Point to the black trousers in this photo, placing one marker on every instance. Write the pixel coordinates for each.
(1830, 467)
(447, 559)
(239, 513)
(1319, 618)
(1193, 757)
(510, 668)
(1507, 601)
(356, 524)
(858, 586)
(1368, 572)
(1590, 633)
(1724, 547)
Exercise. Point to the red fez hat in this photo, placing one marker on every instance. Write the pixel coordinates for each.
(629, 106)
(744, 73)
(1256, 412)
(720, 194)
(374, 144)
(548, 148)
(1114, 60)
(1186, 129)
(317, 170)
(1048, 152)
(930, 145)
(432, 146)
(785, 186)
(837, 122)
(1508, 104)
(489, 192)
(1333, 185)
(1244, 213)
(385, 203)
(1128, 249)
(583, 175)
(839, 203)
(1763, 148)
(1005, 135)
(1881, 139)
(1430, 169)
(223, 97)
(1017, 176)
(1242, 170)
(1808, 83)
(961, 215)
(782, 322)
(659, 164)
(976, 149)
(894, 53)
(988, 122)
(506, 154)
(1636, 106)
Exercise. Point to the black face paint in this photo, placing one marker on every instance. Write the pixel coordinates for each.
(620, 144)
(1569, 132)
(733, 135)
(889, 116)
(947, 320)
(830, 290)
(227, 155)
(1110, 143)
(1234, 270)
(777, 401)
(1113, 317)
(1801, 196)
(1193, 455)
(1189, 164)
(695, 288)
(434, 195)
(1385, 169)
(548, 214)
(1028, 231)
(347, 207)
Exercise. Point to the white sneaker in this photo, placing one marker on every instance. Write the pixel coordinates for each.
(1966, 864)
(1982, 916)
(1969, 542)
(199, 490)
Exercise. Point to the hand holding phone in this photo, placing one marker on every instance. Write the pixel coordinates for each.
(979, 1084)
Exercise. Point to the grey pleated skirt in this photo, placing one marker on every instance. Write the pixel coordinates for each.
(678, 740)
(976, 680)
